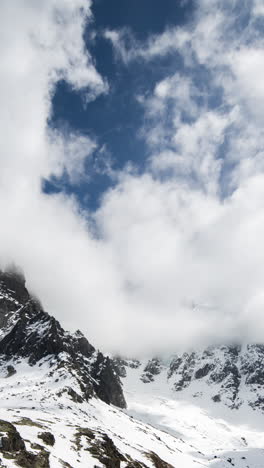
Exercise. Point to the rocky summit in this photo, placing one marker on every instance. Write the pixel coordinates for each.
(27, 331)
(64, 404)
(231, 375)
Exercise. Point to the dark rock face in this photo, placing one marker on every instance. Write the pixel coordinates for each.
(216, 398)
(103, 449)
(174, 366)
(35, 334)
(106, 452)
(108, 385)
(47, 437)
(133, 363)
(27, 331)
(223, 368)
(231, 375)
(254, 368)
(10, 371)
(152, 369)
(31, 460)
(203, 371)
(13, 446)
(120, 366)
(157, 461)
(184, 368)
(13, 294)
(10, 439)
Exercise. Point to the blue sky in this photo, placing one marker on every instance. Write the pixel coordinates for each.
(115, 118)
(132, 166)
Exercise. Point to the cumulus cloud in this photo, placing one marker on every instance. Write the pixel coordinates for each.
(48, 236)
(178, 256)
(127, 48)
(204, 127)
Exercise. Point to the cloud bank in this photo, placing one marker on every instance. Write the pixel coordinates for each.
(178, 255)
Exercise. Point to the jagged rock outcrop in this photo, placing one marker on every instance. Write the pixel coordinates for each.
(227, 370)
(152, 368)
(231, 374)
(107, 382)
(27, 331)
(47, 437)
(121, 364)
(12, 447)
(13, 294)
(10, 439)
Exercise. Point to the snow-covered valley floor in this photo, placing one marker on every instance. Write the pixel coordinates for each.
(182, 433)
(212, 434)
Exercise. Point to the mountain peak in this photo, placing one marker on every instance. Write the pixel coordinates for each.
(28, 332)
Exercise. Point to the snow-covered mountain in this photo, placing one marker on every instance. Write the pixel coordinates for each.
(65, 404)
(30, 333)
(232, 375)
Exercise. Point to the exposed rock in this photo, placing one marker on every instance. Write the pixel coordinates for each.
(135, 464)
(101, 447)
(13, 294)
(13, 447)
(27, 331)
(157, 461)
(133, 363)
(120, 366)
(31, 460)
(10, 439)
(10, 371)
(47, 437)
(223, 367)
(147, 377)
(28, 422)
(216, 398)
(108, 385)
(174, 366)
(152, 369)
(203, 371)
(153, 366)
(107, 453)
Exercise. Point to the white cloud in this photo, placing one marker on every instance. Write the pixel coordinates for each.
(247, 66)
(199, 39)
(177, 262)
(258, 8)
(196, 223)
(128, 48)
(69, 153)
(47, 235)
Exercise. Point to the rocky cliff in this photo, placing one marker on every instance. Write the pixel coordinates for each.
(28, 332)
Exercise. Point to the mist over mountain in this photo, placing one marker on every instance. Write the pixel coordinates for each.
(165, 136)
(64, 403)
(131, 240)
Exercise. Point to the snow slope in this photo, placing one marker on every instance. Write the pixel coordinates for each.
(200, 409)
(234, 436)
(180, 432)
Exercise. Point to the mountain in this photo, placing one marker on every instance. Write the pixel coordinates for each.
(65, 404)
(232, 375)
(29, 332)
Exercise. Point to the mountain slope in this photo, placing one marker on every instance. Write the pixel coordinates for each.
(94, 434)
(62, 403)
(29, 332)
(55, 392)
(217, 433)
(231, 375)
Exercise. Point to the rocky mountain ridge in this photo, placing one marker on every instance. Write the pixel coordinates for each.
(61, 400)
(27, 331)
(232, 375)
(63, 405)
